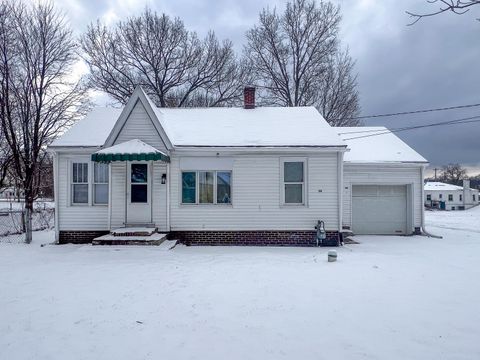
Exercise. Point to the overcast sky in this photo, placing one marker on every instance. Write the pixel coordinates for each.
(400, 68)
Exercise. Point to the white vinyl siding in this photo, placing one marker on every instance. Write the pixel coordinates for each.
(74, 217)
(256, 197)
(140, 126)
(159, 196)
(118, 185)
(363, 174)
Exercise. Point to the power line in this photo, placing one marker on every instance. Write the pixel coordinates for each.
(409, 127)
(452, 122)
(409, 112)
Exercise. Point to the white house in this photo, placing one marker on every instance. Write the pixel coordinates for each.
(239, 176)
(443, 196)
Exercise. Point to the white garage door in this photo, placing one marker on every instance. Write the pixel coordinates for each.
(379, 209)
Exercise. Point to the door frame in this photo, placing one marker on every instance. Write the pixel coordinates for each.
(128, 203)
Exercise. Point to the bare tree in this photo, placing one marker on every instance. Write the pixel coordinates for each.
(453, 174)
(458, 7)
(37, 52)
(173, 66)
(5, 159)
(297, 61)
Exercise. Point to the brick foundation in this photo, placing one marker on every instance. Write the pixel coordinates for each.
(79, 237)
(253, 238)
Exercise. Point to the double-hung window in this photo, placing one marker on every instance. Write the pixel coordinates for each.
(206, 187)
(100, 183)
(450, 197)
(80, 183)
(294, 182)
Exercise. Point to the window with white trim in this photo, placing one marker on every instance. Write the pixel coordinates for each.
(206, 187)
(100, 183)
(79, 183)
(294, 182)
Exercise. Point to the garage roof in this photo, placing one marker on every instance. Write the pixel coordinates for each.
(382, 147)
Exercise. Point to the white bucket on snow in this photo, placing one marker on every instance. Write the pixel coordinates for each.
(332, 255)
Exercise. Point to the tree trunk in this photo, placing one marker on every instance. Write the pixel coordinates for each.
(28, 221)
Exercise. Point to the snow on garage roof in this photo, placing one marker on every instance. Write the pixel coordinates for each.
(381, 148)
(262, 126)
(92, 130)
(203, 127)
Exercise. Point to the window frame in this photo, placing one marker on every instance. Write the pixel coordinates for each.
(72, 184)
(197, 188)
(131, 184)
(100, 183)
(304, 202)
(429, 197)
(450, 197)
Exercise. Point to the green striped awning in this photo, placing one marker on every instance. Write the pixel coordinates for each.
(133, 150)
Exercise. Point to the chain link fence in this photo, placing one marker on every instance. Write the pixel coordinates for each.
(12, 220)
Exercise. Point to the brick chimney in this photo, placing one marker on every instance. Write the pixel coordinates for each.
(249, 97)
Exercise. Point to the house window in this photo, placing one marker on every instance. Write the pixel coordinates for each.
(188, 187)
(450, 197)
(460, 197)
(429, 197)
(79, 183)
(294, 182)
(100, 183)
(440, 196)
(205, 182)
(139, 183)
(473, 196)
(206, 187)
(224, 180)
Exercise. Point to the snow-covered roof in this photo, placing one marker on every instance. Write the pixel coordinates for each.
(262, 126)
(435, 185)
(134, 146)
(92, 130)
(383, 148)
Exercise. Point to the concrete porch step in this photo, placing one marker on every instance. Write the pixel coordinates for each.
(134, 231)
(109, 239)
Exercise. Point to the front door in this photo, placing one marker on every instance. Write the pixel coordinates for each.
(139, 193)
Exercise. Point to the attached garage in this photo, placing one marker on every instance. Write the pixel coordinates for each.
(382, 183)
(379, 209)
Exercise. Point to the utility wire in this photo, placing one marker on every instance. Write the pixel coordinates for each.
(408, 112)
(408, 127)
(452, 122)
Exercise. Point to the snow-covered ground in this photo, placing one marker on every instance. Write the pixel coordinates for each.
(386, 298)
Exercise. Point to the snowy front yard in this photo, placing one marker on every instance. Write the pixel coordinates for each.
(386, 298)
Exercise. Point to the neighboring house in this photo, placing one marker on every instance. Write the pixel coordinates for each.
(443, 196)
(232, 176)
(10, 193)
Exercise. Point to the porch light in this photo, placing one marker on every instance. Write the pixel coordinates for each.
(164, 179)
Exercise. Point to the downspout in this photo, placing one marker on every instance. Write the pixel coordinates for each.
(340, 190)
(168, 197)
(424, 231)
(55, 195)
(110, 196)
